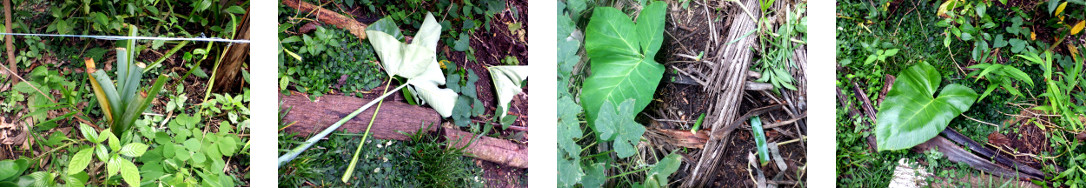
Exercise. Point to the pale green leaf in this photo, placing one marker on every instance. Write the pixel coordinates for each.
(134, 149)
(79, 161)
(507, 83)
(130, 173)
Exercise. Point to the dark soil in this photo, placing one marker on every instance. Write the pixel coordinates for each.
(677, 106)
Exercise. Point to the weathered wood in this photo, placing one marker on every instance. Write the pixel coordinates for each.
(395, 117)
(683, 138)
(490, 149)
(314, 116)
(329, 17)
(729, 73)
(958, 154)
(989, 154)
(227, 79)
(853, 113)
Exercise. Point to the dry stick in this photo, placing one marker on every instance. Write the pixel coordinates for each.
(7, 41)
(331, 17)
(987, 153)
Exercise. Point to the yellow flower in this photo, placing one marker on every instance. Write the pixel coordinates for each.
(442, 63)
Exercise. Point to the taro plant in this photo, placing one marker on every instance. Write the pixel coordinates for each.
(912, 114)
(415, 61)
(623, 58)
(121, 102)
(623, 79)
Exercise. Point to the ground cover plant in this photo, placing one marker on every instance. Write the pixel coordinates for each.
(634, 90)
(1006, 110)
(92, 112)
(438, 79)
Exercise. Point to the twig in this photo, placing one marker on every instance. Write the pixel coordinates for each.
(971, 118)
(790, 121)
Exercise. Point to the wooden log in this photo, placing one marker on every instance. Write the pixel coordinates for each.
(226, 77)
(329, 17)
(958, 154)
(314, 116)
(310, 117)
(490, 149)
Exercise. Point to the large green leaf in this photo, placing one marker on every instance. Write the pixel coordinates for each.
(619, 125)
(911, 114)
(622, 54)
(507, 81)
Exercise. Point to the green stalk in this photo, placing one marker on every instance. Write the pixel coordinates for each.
(285, 158)
(354, 159)
(168, 54)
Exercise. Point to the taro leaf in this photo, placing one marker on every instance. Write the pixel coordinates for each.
(79, 161)
(622, 54)
(912, 114)
(13, 168)
(507, 81)
(759, 139)
(416, 62)
(657, 176)
(620, 126)
(386, 25)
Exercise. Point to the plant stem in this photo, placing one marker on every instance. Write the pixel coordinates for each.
(313, 140)
(354, 160)
(628, 173)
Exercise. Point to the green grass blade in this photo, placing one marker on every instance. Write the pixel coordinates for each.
(354, 159)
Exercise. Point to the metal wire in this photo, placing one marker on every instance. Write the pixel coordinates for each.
(110, 37)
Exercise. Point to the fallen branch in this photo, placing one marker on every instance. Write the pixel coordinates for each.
(397, 119)
(330, 17)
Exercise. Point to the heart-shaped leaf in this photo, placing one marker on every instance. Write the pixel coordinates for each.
(507, 81)
(911, 113)
(622, 55)
(416, 62)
